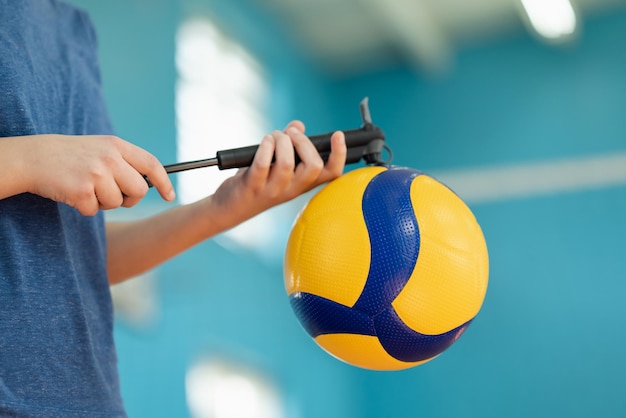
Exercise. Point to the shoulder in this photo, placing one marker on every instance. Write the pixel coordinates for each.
(49, 70)
(43, 16)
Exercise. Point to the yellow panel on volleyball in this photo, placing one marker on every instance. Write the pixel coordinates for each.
(333, 261)
(362, 351)
(449, 282)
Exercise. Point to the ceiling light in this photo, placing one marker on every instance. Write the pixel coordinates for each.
(552, 19)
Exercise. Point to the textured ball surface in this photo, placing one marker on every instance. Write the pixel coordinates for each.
(385, 268)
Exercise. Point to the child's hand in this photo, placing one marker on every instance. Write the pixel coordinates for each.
(91, 172)
(265, 184)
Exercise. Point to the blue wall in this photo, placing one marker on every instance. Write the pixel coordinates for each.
(548, 340)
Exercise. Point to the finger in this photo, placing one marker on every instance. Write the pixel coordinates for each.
(85, 202)
(148, 165)
(334, 166)
(108, 194)
(337, 159)
(257, 173)
(284, 161)
(311, 163)
(132, 185)
(296, 124)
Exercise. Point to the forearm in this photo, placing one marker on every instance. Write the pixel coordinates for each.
(135, 247)
(272, 179)
(13, 180)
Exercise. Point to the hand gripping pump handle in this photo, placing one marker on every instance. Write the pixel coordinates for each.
(366, 142)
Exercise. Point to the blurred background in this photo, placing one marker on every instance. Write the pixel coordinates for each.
(518, 105)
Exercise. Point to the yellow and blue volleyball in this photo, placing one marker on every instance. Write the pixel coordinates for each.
(386, 267)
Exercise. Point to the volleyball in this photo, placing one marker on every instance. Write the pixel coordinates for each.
(385, 267)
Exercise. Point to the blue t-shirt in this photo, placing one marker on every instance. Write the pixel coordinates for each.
(57, 355)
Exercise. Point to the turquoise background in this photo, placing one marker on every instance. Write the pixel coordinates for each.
(549, 339)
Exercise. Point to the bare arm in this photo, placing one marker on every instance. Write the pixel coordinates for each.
(12, 174)
(138, 246)
(92, 173)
